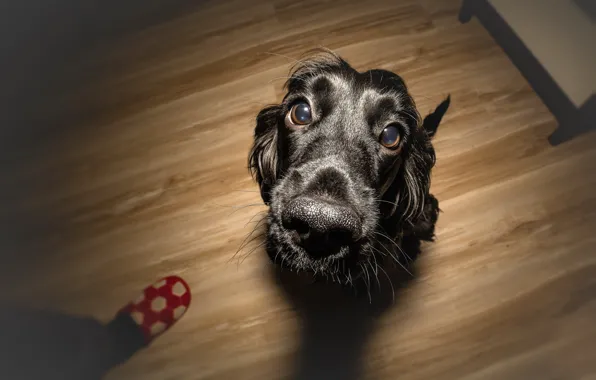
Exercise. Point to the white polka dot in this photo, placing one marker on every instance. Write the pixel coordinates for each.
(178, 289)
(140, 298)
(158, 304)
(158, 327)
(137, 317)
(179, 311)
(159, 284)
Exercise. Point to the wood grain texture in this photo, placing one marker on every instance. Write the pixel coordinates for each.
(144, 175)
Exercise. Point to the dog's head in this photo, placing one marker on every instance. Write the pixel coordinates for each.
(344, 159)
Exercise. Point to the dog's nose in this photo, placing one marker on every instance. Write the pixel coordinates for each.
(320, 226)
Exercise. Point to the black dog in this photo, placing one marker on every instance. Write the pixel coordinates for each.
(344, 165)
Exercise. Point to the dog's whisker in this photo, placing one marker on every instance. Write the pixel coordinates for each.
(395, 258)
(395, 244)
(238, 208)
(403, 252)
(374, 269)
(390, 283)
(374, 258)
(283, 258)
(385, 201)
(369, 282)
(391, 254)
(399, 263)
(277, 254)
(227, 192)
(254, 221)
(252, 250)
(366, 279)
(255, 215)
(384, 254)
(243, 206)
(245, 244)
(347, 275)
(240, 259)
(257, 225)
(363, 275)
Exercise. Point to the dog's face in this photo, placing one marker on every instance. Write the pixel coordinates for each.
(342, 161)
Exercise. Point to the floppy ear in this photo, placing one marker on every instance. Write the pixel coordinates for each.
(408, 195)
(431, 121)
(412, 184)
(263, 159)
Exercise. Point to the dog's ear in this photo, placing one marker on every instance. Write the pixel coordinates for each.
(408, 194)
(411, 185)
(263, 159)
(431, 121)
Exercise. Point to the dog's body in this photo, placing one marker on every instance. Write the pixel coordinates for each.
(344, 164)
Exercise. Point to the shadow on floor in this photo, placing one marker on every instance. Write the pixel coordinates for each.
(337, 322)
(38, 344)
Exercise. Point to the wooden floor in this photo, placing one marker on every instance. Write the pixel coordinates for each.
(145, 176)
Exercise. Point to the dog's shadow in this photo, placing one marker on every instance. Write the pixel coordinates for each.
(336, 322)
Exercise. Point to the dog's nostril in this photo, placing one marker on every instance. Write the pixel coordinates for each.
(339, 237)
(300, 226)
(320, 226)
(299, 230)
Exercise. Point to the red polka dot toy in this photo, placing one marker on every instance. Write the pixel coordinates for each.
(159, 306)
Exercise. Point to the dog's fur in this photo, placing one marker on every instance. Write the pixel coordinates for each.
(339, 156)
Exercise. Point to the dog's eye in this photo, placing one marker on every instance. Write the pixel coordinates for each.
(300, 114)
(390, 137)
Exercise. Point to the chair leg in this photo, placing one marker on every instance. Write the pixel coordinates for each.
(559, 136)
(570, 130)
(465, 12)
